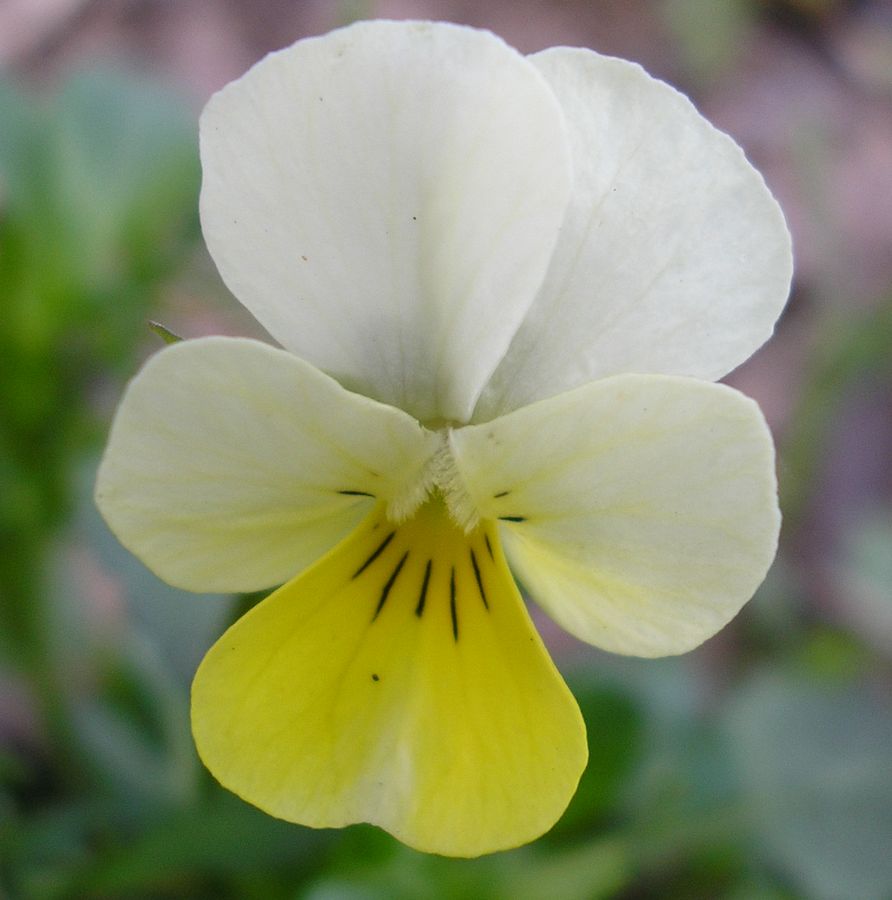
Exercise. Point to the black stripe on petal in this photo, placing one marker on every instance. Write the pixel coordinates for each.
(452, 610)
(419, 609)
(386, 589)
(479, 579)
(375, 555)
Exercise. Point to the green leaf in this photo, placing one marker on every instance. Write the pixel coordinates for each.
(815, 762)
(585, 872)
(614, 725)
(865, 575)
(17, 159)
(135, 732)
(219, 838)
(125, 166)
(99, 189)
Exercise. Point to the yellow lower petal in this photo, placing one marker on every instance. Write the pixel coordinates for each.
(399, 682)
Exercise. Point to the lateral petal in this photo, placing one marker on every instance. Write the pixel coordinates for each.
(398, 682)
(232, 465)
(385, 200)
(640, 510)
(674, 258)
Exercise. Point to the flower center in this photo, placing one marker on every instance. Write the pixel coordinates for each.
(438, 479)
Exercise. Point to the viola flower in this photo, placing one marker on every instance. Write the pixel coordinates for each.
(504, 285)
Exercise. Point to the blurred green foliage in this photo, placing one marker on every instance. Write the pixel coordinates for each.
(97, 193)
(98, 188)
(761, 770)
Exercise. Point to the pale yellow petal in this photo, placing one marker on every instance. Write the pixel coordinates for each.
(232, 465)
(640, 510)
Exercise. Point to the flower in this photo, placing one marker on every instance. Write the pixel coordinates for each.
(504, 285)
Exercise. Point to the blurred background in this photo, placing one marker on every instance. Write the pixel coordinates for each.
(757, 767)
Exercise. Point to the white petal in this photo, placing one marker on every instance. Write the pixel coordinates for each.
(640, 510)
(232, 465)
(674, 257)
(385, 200)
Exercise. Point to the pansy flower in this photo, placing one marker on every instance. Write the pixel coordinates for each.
(504, 286)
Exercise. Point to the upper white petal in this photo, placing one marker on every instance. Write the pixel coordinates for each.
(674, 257)
(385, 200)
(229, 464)
(645, 506)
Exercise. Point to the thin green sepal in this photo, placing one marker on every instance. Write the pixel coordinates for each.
(165, 334)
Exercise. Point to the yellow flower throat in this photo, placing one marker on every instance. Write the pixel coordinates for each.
(407, 564)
